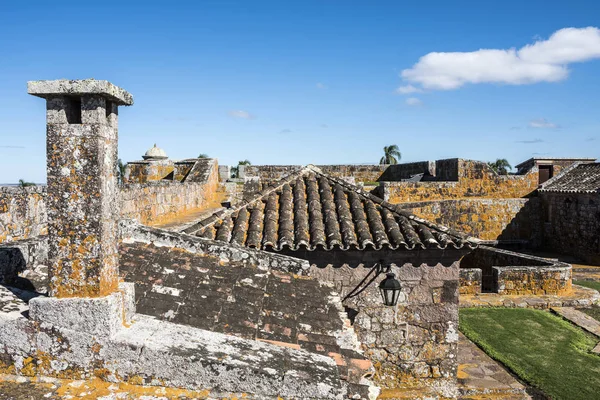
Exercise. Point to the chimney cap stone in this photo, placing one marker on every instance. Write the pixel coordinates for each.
(65, 87)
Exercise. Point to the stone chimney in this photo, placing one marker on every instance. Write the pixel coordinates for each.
(82, 199)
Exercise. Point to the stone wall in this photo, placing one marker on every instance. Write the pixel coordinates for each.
(397, 172)
(273, 173)
(470, 281)
(488, 219)
(511, 273)
(414, 343)
(159, 202)
(148, 171)
(532, 280)
(23, 210)
(22, 213)
(572, 224)
(472, 179)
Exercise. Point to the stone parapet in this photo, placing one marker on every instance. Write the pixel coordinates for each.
(533, 280)
(511, 273)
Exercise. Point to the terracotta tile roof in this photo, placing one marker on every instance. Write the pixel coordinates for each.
(311, 210)
(583, 178)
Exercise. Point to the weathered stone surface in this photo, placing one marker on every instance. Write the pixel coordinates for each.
(81, 136)
(511, 273)
(470, 281)
(487, 219)
(102, 316)
(572, 224)
(458, 178)
(417, 339)
(22, 213)
(153, 203)
(62, 87)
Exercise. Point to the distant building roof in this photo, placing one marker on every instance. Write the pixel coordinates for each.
(534, 159)
(583, 178)
(312, 210)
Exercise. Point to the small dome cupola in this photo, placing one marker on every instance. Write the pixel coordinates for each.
(155, 153)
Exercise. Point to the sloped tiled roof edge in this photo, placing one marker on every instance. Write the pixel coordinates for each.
(441, 237)
(580, 177)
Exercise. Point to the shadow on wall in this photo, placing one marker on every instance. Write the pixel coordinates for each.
(526, 225)
(12, 262)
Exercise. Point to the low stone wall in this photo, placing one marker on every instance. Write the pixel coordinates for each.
(511, 273)
(414, 343)
(572, 224)
(488, 219)
(532, 280)
(159, 202)
(22, 212)
(470, 281)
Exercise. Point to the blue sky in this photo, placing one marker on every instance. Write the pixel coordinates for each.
(321, 82)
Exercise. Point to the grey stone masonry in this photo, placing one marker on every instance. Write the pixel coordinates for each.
(82, 194)
(78, 88)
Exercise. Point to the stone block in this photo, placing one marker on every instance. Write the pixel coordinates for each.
(101, 316)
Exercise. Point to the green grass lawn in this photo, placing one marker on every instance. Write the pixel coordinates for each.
(590, 284)
(541, 348)
(593, 312)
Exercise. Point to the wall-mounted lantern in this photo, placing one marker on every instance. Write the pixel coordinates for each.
(390, 289)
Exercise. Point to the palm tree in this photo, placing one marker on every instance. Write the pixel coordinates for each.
(391, 155)
(203, 155)
(500, 166)
(23, 184)
(235, 171)
(120, 171)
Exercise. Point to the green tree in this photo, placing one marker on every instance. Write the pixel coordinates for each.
(120, 171)
(501, 166)
(203, 155)
(391, 155)
(235, 171)
(22, 183)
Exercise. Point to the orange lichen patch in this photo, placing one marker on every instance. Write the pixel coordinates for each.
(461, 373)
(410, 393)
(94, 388)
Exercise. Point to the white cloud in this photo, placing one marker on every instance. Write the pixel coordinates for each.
(284, 131)
(241, 114)
(321, 86)
(408, 89)
(542, 61)
(531, 141)
(542, 123)
(413, 101)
